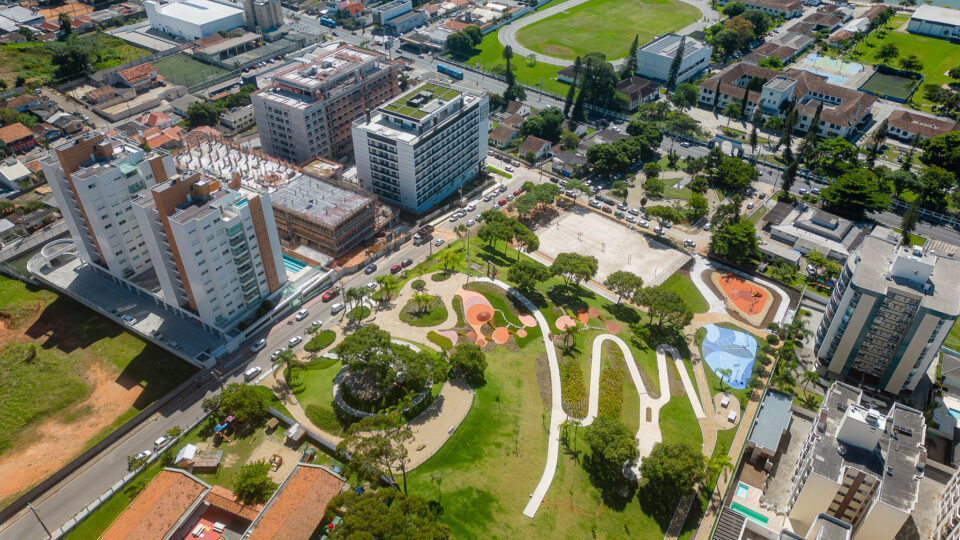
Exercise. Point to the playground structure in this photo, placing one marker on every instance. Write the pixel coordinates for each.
(745, 295)
(477, 312)
(276, 462)
(309, 454)
(219, 431)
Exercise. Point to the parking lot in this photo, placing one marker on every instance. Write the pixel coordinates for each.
(614, 245)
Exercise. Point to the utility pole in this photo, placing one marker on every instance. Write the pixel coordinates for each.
(42, 524)
(216, 373)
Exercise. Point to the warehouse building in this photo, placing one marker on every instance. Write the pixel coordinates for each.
(935, 21)
(192, 19)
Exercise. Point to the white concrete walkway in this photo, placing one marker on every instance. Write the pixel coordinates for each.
(684, 378)
(700, 265)
(718, 305)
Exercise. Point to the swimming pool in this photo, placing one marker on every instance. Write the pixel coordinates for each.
(833, 63)
(751, 515)
(954, 413)
(742, 490)
(293, 265)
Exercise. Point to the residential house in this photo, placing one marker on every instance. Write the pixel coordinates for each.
(181, 104)
(513, 120)
(7, 230)
(638, 90)
(535, 145)
(502, 136)
(566, 75)
(17, 138)
(787, 9)
(239, 119)
(12, 172)
(81, 24)
(569, 163)
(168, 138)
(45, 132)
(108, 94)
(823, 21)
(156, 119)
(22, 102)
(141, 77)
(577, 128)
(13, 37)
(69, 123)
(515, 107)
(354, 10)
(905, 125)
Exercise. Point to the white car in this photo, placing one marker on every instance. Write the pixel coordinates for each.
(634, 211)
(643, 223)
(690, 243)
(336, 308)
(471, 223)
(509, 168)
(372, 286)
(802, 191)
(438, 242)
(129, 320)
(259, 345)
(252, 373)
(453, 218)
(317, 323)
(749, 205)
(293, 341)
(302, 314)
(631, 219)
(276, 354)
(471, 207)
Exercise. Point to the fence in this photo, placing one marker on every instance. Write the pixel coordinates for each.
(944, 219)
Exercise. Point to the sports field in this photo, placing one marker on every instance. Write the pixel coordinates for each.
(185, 71)
(605, 26)
(889, 85)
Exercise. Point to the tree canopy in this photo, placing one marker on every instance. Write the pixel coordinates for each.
(240, 400)
(252, 485)
(942, 151)
(855, 193)
(527, 273)
(736, 242)
(624, 283)
(670, 472)
(573, 267)
(547, 125)
(665, 307)
(468, 361)
(385, 514)
(370, 350)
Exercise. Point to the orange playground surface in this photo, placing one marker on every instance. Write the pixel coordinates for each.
(745, 296)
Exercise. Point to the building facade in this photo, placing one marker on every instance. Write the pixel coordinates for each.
(948, 511)
(308, 109)
(193, 19)
(889, 314)
(419, 148)
(935, 21)
(859, 466)
(262, 15)
(194, 243)
(654, 58)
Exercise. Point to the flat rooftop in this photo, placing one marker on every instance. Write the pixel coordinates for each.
(667, 45)
(159, 508)
(772, 420)
(938, 14)
(422, 100)
(223, 160)
(198, 11)
(319, 200)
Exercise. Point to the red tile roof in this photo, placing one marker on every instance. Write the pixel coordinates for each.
(158, 508)
(925, 126)
(533, 144)
(49, 26)
(154, 119)
(354, 9)
(225, 499)
(15, 132)
(138, 73)
(456, 26)
(297, 508)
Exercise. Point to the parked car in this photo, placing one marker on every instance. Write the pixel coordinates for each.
(607, 209)
(749, 205)
(811, 269)
(259, 345)
(129, 320)
(595, 203)
(631, 219)
(707, 226)
(502, 202)
(329, 295)
(509, 168)
(665, 224)
(618, 214)
(406, 262)
(643, 223)
(316, 324)
(685, 144)
(689, 243)
(634, 211)
(159, 443)
(471, 207)
(395, 268)
(336, 308)
(501, 189)
(471, 223)
(516, 193)
(438, 242)
(372, 285)
(622, 206)
(496, 206)
(510, 197)
(252, 373)
(302, 314)
(276, 354)
(815, 191)
(371, 268)
(487, 198)
(802, 191)
(453, 218)
(293, 341)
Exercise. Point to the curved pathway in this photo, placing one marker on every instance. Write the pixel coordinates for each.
(718, 305)
(507, 35)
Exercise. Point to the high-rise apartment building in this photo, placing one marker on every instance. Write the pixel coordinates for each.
(307, 110)
(948, 511)
(859, 466)
(888, 316)
(419, 148)
(262, 15)
(194, 243)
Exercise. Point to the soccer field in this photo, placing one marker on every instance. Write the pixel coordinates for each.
(890, 85)
(183, 70)
(605, 26)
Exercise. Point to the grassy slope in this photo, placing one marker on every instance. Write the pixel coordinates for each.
(953, 338)
(685, 288)
(491, 54)
(590, 27)
(32, 60)
(314, 386)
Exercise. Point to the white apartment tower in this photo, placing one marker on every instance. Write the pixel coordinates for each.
(948, 511)
(307, 110)
(210, 249)
(419, 148)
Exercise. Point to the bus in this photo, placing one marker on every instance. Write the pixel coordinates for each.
(326, 21)
(452, 72)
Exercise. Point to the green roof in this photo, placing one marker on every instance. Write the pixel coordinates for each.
(400, 106)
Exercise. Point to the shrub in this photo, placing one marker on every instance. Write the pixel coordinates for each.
(440, 341)
(772, 339)
(440, 276)
(611, 392)
(435, 313)
(323, 418)
(458, 309)
(320, 341)
(573, 393)
(418, 285)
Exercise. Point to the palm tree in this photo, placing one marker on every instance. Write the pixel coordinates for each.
(570, 336)
(423, 301)
(354, 298)
(733, 109)
(388, 283)
(724, 372)
(449, 259)
(286, 359)
(720, 463)
(810, 377)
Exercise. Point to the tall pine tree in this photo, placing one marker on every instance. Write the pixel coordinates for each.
(573, 88)
(675, 66)
(809, 145)
(630, 66)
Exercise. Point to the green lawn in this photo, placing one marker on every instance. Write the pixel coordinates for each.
(431, 315)
(605, 26)
(684, 286)
(914, 239)
(313, 388)
(673, 193)
(953, 338)
(32, 59)
(185, 71)
(70, 340)
(490, 54)
(937, 55)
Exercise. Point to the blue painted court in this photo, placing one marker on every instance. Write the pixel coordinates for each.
(724, 348)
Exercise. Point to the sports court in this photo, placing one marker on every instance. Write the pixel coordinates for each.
(724, 348)
(614, 245)
(890, 86)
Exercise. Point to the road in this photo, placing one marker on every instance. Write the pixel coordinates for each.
(70, 496)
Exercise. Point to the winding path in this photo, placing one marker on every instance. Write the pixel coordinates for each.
(507, 35)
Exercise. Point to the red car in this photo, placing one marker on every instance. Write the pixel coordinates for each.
(395, 268)
(607, 209)
(516, 193)
(328, 296)
(502, 202)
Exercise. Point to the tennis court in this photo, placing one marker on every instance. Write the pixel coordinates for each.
(735, 350)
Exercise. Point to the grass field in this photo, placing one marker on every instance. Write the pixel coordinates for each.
(890, 85)
(605, 26)
(953, 338)
(32, 59)
(937, 55)
(185, 71)
(672, 192)
(684, 286)
(490, 55)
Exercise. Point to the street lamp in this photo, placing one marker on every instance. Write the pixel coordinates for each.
(42, 524)
(216, 373)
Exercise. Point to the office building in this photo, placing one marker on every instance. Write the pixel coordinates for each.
(655, 58)
(935, 21)
(307, 110)
(859, 466)
(889, 313)
(948, 511)
(419, 148)
(262, 15)
(195, 244)
(192, 19)
(398, 17)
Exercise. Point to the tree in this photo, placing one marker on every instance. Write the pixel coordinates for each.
(548, 124)
(670, 472)
(727, 41)
(203, 114)
(459, 45)
(911, 63)
(624, 283)
(630, 66)
(697, 207)
(513, 92)
(377, 445)
(935, 184)
(598, 84)
(954, 73)
(733, 110)
(385, 514)
(675, 65)
(742, 27)
(526, 239)
(578, 113)
(888, 52)
(239, 400)
(607, 159)
(725, 373)
(448, 259)
(493, 232)
(809, 145)
(736, 242)
(654, 187)
(573, 267)
(810, 377)
(569, 140)
(571, 92)
(771, 62)
(651, 170)
(719, 463)
(759, 20)
(66, 25)
(71, 60)
(665, 307)
(369, 351)
(611, 446)
(790, 175)
(855, 193)
(735, 174)
(526, 273)
(468, 361)
(253, 485)
(732, 9)
(942, 151)
(619, 189)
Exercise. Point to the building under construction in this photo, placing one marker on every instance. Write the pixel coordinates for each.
(325, 215)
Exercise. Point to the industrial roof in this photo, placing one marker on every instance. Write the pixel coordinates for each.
(667, 45)
(198, 11)
(938, 14)
(772, 420)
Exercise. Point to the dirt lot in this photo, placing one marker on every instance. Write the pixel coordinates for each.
(614, 245)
